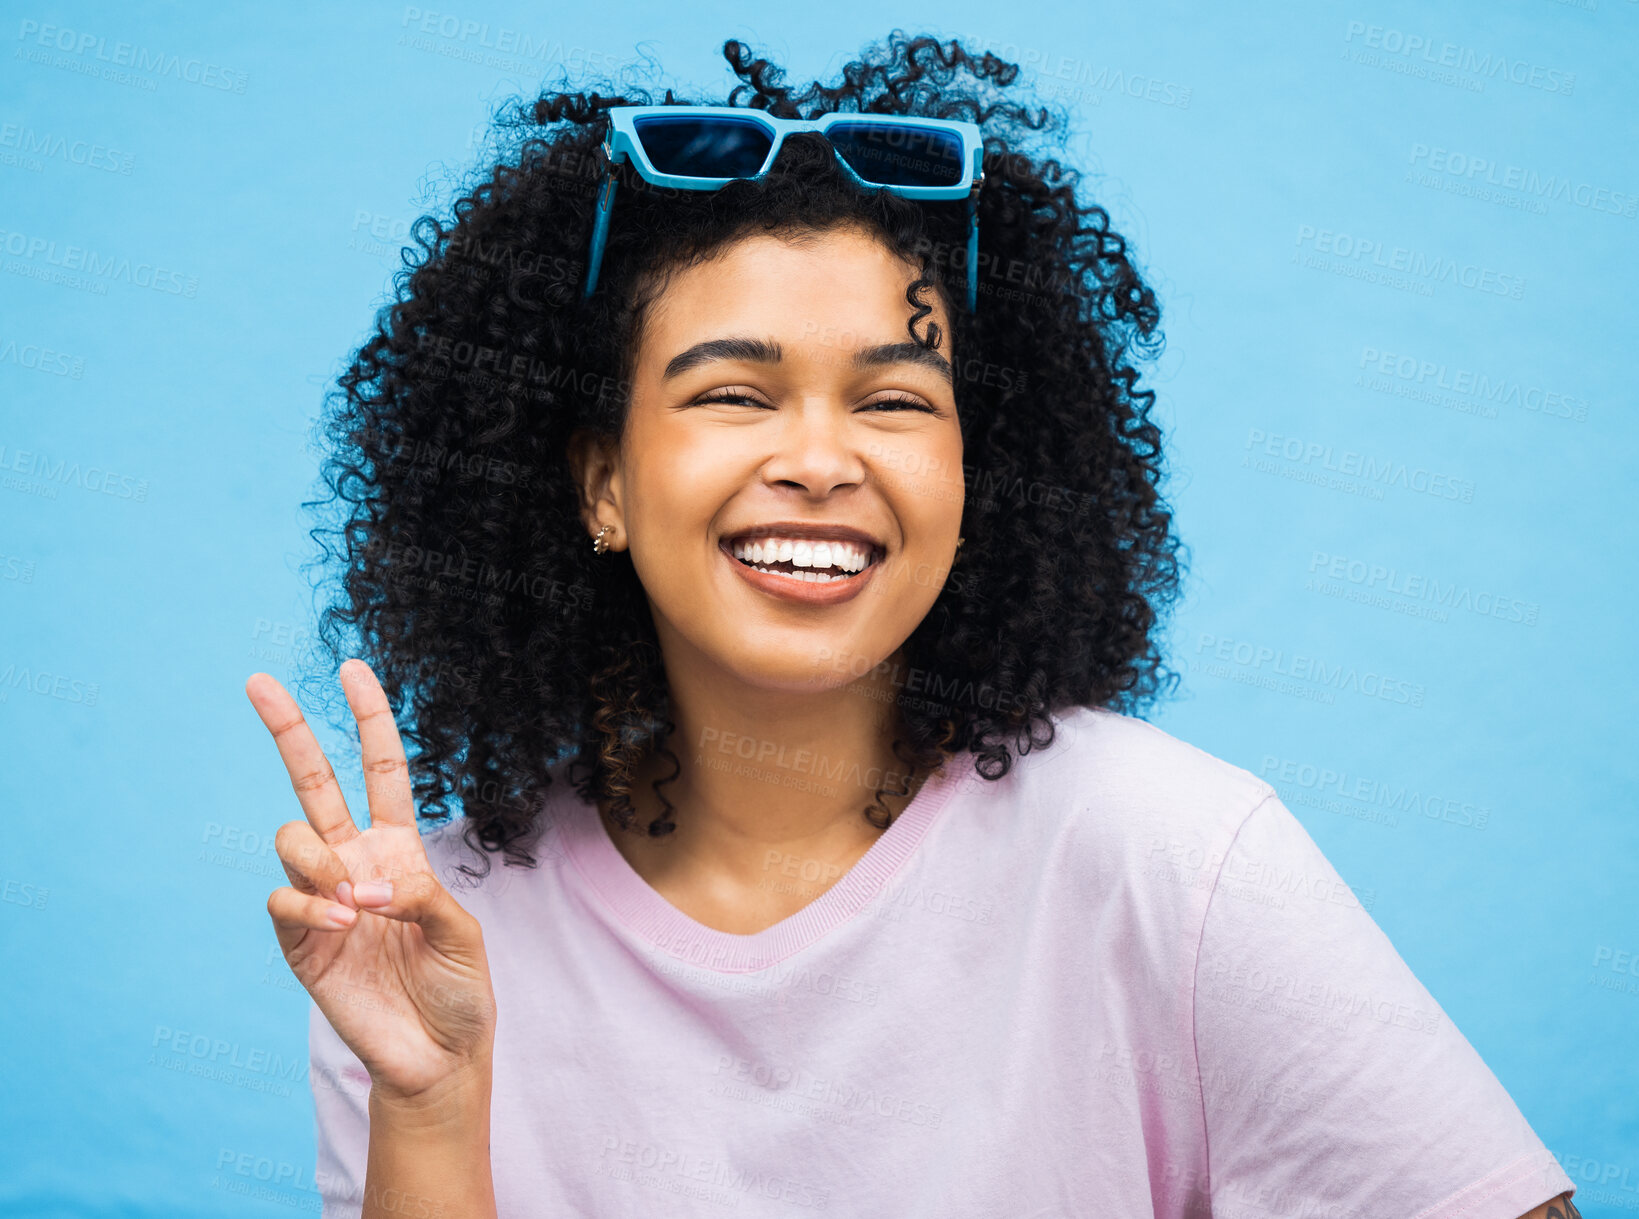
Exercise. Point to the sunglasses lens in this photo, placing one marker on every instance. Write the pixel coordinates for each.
(704, 147)
(900, 154)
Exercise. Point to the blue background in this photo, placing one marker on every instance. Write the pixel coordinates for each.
(1247, 155)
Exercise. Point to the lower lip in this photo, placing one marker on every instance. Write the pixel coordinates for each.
(803, 592)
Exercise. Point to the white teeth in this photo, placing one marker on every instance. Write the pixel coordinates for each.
(840, 558)
(813, 577)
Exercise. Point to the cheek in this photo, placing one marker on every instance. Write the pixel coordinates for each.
(926, 488)
(674, 495)
(680, 482)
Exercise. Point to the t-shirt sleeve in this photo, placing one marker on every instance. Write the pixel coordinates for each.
(1333, 1083)
(341, 1115)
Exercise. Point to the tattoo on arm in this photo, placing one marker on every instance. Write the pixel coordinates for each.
(1570, 1211)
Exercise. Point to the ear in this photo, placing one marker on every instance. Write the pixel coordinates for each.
(594, 462)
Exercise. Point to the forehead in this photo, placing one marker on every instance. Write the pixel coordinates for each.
(838, 286)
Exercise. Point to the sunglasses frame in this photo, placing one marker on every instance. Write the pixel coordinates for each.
(621, 143)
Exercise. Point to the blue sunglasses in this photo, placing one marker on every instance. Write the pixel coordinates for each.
(707, 147)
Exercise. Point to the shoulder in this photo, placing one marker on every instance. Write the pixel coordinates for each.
(1115, 824)
(1118, 809)
(1117, 766)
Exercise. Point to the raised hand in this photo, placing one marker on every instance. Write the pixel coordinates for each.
(393, 962)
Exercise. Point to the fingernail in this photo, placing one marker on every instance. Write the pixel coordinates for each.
(341, 916)
(344, 892)
(373, 892)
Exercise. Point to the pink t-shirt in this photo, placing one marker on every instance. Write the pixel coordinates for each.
(1122, 980)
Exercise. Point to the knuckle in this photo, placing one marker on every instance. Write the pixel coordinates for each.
(288, 838)
(312, 780)
(305, 857)
(386, 766)
(421, 887)
(287, 727)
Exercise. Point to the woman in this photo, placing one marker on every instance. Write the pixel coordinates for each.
(837, 872)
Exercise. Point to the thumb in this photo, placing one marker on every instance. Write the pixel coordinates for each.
(418, 897)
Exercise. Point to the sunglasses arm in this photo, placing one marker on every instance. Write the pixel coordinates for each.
(600, 227)
(973, 249)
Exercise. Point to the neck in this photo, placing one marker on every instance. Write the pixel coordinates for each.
(769, 780)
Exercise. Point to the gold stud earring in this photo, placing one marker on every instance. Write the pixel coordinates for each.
(600, 544)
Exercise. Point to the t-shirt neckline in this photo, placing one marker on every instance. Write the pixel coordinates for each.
(644, 911)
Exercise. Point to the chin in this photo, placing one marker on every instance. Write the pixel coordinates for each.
(826, 665)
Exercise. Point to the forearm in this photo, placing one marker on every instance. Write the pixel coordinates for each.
(430, 1158)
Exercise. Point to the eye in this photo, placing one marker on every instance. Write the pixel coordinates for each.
(730, 396)
(900, 402)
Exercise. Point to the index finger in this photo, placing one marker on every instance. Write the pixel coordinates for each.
(310, 771)
(386, 773)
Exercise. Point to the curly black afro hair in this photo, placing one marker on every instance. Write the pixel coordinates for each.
(460, 565)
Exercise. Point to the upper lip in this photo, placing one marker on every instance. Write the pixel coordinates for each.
(806, 529)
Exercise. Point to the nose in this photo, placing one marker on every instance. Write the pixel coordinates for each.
(817, 450)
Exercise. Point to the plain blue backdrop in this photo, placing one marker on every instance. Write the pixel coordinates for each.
(1385, 237)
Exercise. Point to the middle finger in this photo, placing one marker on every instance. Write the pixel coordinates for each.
(386, 772)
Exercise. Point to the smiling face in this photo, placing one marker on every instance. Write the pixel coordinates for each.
(777, 401)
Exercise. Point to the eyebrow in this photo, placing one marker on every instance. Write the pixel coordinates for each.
(766, 351)
(903, 353)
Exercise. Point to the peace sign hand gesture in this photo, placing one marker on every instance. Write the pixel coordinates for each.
(393, 962)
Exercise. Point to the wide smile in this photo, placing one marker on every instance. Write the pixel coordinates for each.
(814, 573)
